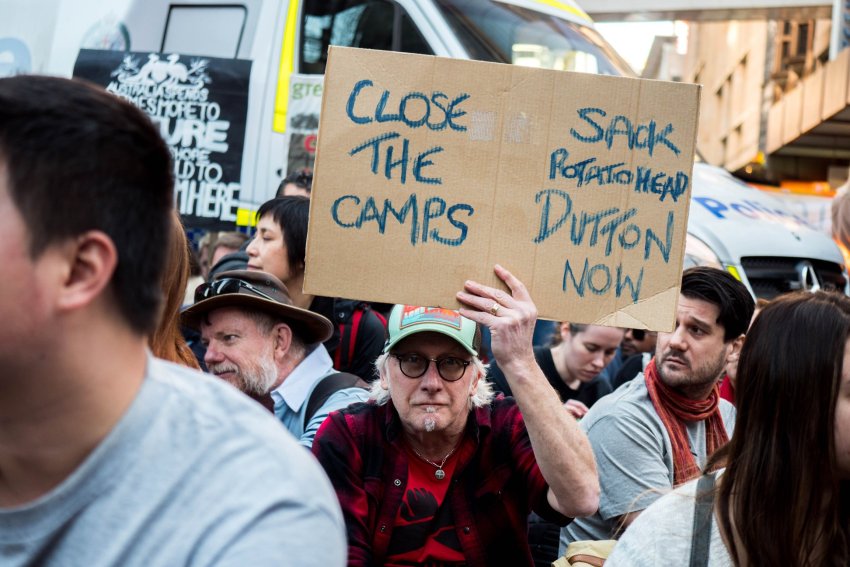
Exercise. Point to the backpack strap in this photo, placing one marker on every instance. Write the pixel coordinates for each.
(328, 386)
(348, 314)
(355, 328)
(380, 317)
(340, 347)
(703, 512)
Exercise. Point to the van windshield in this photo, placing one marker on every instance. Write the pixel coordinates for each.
(496, 31)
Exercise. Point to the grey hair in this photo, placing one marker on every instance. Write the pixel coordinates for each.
(483, 392)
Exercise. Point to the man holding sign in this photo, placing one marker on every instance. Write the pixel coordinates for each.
(433, 472)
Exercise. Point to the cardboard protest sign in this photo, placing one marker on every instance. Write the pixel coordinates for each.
(429, 171)
(200, 105)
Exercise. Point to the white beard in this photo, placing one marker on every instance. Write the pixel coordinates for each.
(259, 380)
(430, 423)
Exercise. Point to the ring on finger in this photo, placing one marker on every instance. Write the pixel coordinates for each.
(494, 310)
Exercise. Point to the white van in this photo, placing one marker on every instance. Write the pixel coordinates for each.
(285, 42)
(758, 237)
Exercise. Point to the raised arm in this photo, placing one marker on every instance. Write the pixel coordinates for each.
(561, 449)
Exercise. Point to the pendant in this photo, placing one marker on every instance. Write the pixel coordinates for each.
(439, 474)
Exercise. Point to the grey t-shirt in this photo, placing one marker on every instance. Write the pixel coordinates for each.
(662, 535)
(194, 473)
(634, 457)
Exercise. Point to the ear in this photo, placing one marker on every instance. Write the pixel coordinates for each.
(735, 350)
(282, 340)
(564, 328)
(384, 376)
(91, 259)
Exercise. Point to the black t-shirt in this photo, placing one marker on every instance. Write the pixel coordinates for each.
(631, 368)
(587, 393)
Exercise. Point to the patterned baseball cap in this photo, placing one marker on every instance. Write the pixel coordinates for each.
(407, 320)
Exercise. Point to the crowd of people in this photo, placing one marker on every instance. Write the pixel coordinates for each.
(329, 431)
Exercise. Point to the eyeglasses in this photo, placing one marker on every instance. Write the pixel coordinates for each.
(227, 285)
(450, 368)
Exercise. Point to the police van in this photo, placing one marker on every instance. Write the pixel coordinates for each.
(236, 87)
(759, 237)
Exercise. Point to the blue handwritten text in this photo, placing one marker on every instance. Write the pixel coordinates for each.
(640, 136)
(643, 179)
(423, 219)
(420, 162)
(608, 227)
(598, 279)
(436, 111)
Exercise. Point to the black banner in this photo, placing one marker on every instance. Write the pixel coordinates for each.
(200, 105)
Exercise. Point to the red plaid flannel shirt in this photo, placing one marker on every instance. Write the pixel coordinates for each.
(493, 489)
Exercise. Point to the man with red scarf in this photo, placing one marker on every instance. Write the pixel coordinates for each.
(657, 431)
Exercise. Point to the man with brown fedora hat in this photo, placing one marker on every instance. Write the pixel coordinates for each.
(261, 343)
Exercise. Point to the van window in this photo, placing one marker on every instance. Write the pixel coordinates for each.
(499, 31)
(376, 24)
(222, 30)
